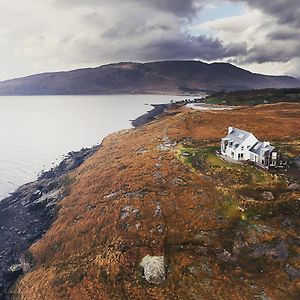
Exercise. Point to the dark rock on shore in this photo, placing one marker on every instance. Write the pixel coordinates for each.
(158, 110)
(27, 214)
(150, 115)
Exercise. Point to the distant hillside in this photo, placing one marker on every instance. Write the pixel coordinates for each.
(156, 77)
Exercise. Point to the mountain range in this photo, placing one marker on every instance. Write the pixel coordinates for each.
(139, 78)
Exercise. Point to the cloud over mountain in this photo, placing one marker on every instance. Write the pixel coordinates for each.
(66, 34)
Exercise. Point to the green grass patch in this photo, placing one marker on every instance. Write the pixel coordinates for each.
(204, 158)
(213, 160)
(229, 209)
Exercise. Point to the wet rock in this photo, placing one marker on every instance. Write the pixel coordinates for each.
(154, 269)
(15, 268)
(268, 195)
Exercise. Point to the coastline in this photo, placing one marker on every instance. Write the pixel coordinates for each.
(150, 115)
(159, 110)
(29, 211)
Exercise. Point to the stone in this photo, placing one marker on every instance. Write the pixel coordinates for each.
(259, 251)
(157, 212)
(15, 268)
(27, 261)
(268, 195)
(127, 210)
(154, 269)
(293, 273)
(279, 252)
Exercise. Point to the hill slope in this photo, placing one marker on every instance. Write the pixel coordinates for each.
(157, 77)
(160, 190)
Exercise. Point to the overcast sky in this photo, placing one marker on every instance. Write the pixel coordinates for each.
(53, 35)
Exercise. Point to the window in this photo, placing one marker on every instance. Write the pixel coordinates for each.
(242, 148)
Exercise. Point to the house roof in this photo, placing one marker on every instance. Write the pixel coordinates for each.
(238, 136)
(259, 149)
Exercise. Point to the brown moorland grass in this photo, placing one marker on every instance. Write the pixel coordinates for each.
(135, 197)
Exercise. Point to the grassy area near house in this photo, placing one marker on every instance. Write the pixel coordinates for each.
(290, 148)
(206, 158)
(243, 186)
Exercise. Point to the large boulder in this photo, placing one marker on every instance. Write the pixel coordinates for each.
(154, 269)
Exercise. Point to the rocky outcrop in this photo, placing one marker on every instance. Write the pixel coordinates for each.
(267, 195)
(154, 269)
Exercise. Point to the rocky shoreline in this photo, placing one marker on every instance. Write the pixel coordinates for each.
(159, 110)
(27, 213)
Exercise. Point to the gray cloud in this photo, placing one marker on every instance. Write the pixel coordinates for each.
(190, 47)
(142, 33)
(183, 8)
(284, 34)
(285, 11)
(52, 35)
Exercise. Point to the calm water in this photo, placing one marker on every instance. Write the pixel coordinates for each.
(37, 131)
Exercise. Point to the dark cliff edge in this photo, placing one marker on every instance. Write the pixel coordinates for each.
(27, 214)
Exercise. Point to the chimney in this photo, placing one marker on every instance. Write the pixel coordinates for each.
(230, 129)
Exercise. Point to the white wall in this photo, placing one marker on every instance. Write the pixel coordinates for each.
(242, 149)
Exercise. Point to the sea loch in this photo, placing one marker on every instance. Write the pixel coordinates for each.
(36, 131)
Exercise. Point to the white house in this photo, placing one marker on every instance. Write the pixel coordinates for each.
(242, 145)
